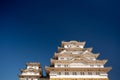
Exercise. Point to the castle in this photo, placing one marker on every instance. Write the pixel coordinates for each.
(71, 62)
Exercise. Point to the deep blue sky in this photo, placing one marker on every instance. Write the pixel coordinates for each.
(31, 31)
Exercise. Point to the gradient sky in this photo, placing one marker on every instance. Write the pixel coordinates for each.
(31, 31)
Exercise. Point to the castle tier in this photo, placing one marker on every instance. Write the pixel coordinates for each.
(74, 62)
(32, 72)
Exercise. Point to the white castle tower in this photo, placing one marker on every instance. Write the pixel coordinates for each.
(32, 72)
(74, 62)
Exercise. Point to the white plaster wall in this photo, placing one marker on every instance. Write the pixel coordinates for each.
(71, 52)
(72, 46)
(76, 52)
(55, 75)
(79, 65)
(30, 73)
(64, 58)
(65, 46)
(78, 76)
(62, 51)
(34, 67)
(61, 65)
(101, 66)
(91, 58)
(81, 46)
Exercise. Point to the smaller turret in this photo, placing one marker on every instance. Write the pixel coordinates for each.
(32, 72)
